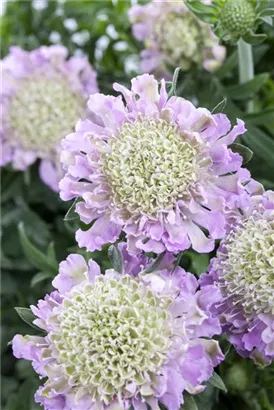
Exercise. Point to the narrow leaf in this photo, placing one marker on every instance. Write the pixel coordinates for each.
(71, 214)
(219, 107)
(51, 252)
(261, 144)
(244, 151)
(189, 403)
(230, 63)
(246, 90)
(116, 258)
(36, 257)
(174, 82)
(265, 117)
(217, 381)
(27, 316)
(39, 277)
(155, 264)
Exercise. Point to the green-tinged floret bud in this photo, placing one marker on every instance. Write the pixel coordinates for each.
(238, 16)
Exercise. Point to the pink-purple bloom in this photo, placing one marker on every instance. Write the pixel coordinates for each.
(42, 96)
(174, 37)
(244, 271)
(154, 167)
(121, 340)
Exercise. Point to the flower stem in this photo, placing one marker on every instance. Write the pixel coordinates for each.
(246, 66)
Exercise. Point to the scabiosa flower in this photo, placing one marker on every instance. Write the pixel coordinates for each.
(158, 169)
(244, 271)
(43, 95)
(174, 37)
(117, 340)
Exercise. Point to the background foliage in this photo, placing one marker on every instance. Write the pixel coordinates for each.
(102, 31)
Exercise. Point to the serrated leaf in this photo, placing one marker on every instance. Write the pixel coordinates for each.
(244, 151)
(249, 88)
(189, 403)
(217, 381)
(116, 258)
(36, 257)
(39, 277)
(27, 316)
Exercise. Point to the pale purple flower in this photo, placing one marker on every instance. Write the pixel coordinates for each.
(43, 94)
(244, 271)
(117, 341)
(155, 167)
(174, 37)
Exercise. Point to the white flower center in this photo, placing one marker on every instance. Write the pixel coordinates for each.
(150, 166)
(42, 112)
(112, 334)
(248, 267)
(179, 37)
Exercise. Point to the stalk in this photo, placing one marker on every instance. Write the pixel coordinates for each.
(246, 66)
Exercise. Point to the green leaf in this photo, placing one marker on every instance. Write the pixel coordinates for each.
(229, 65)
(172, 91)
(261, 144)
(27, 316)
(155, 263)
(266, 12)
(246, 90)
(39, 277)
(253, 38)
(265, 117)
(219, 107)
(51, 252)
(244, 151)
(206, 13)
(217, 381)
(71, 214)
(36, 257)
(116, 258)
(189, 403)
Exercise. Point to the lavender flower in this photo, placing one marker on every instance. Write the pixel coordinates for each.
(244, 271)
(42, 97)
(117, 340)
(174, 37)
(158, 169)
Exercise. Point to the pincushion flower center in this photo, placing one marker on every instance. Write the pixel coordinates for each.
(150, 166)
(249, 266)
(179, 38)
(112, 333)
(43, 110)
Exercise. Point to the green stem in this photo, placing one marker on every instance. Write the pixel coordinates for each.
(246, 66)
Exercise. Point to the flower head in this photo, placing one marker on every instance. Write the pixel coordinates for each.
(174, 37)
(121, 340)
(158, 169)
(43, 96)
(244, 271)
(238, 16)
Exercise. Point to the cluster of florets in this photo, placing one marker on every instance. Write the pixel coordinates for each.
(174, 37)
(162, 173)
(122, 340)
(42, 97)
(244, 271)
(154, 167)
